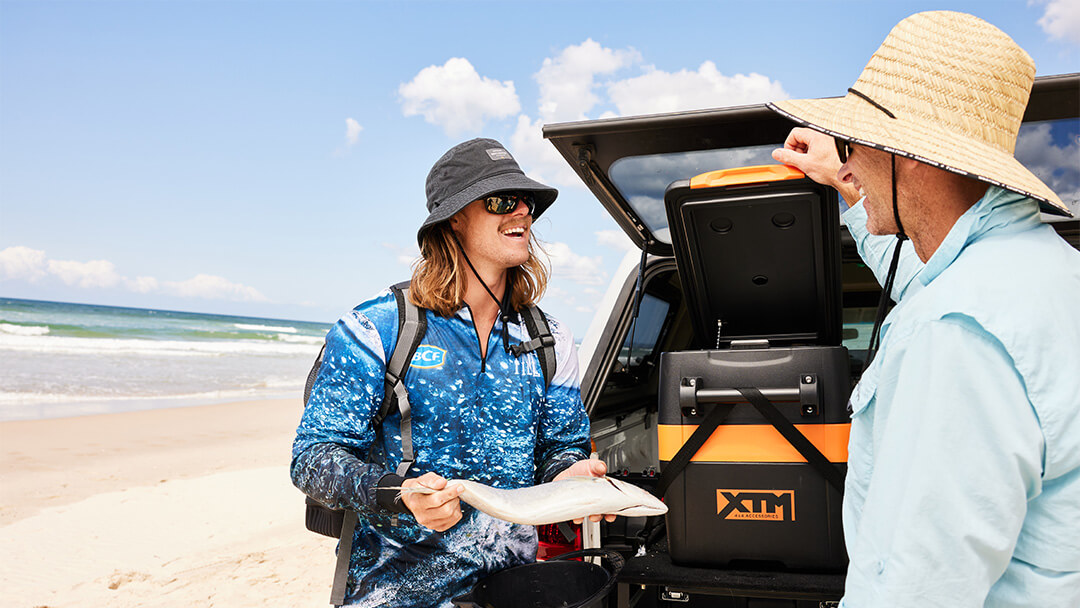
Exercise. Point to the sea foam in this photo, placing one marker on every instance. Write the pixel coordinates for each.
(268, 328)
(24, 330)
(174, 348)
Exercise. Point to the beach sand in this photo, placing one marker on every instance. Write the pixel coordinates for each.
(179, 507)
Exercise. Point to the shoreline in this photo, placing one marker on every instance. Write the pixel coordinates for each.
(55, 461)
(32, 409)
(183, 506)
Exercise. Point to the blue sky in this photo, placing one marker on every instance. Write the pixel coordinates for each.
(268, 158)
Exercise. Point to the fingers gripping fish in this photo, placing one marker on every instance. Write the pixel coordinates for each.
(556, 501)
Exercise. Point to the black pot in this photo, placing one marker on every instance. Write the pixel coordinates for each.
(555, 583)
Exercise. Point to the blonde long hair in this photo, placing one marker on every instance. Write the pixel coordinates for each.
(440, 275)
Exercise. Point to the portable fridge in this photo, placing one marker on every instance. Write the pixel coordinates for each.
(758, 254)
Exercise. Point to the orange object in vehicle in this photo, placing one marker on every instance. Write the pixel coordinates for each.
(745, 175)
(755, 442)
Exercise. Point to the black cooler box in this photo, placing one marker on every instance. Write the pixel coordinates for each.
(759, 259)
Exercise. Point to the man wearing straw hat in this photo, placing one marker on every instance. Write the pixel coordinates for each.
(963, 484)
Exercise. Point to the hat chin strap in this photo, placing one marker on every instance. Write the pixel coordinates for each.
(504, 305)
(890, 278)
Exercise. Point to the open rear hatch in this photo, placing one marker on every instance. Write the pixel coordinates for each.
(628, 162)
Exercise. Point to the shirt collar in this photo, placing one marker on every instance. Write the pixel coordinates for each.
(999, 210)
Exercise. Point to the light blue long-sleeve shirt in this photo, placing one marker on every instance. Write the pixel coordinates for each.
(963, 485)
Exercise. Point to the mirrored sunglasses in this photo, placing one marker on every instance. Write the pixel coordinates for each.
(506, 202)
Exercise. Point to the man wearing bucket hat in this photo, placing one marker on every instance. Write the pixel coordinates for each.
(963, 485)
(480, 406)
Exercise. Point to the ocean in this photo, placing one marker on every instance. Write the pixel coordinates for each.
(59, 359)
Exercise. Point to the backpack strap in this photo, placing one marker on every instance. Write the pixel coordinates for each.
(412, 325)
(344, 553)
(542, 341)
(313, 373)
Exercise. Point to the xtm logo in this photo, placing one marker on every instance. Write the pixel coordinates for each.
(760, 505)
(428, 357)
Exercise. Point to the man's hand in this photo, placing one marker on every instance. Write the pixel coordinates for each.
(582, 468)
(439, 511)
(814, 153)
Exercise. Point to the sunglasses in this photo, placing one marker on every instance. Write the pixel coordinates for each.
(501, 204)
(843, 149)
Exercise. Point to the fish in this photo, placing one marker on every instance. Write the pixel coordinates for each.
(556, 501)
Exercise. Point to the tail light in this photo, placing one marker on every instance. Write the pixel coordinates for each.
(556, 539)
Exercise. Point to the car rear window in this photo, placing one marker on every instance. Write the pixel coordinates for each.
(1049, 148)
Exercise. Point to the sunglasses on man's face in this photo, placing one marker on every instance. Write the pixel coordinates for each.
(843, 149)
(501, 204)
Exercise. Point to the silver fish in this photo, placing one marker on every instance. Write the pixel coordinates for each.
(556, 501)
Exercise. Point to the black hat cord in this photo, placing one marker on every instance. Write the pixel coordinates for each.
(901, 236)
(504, 305)
(890, 278)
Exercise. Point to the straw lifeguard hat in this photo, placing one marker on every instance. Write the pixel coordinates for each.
(945, 88)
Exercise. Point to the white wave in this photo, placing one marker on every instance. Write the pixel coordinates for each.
(281, 383)
(300, 339)
(270, 387)
(33, 406)
(286, 330)
(168, 348)
(24, 330)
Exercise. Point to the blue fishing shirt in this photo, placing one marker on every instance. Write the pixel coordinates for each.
(963, 484)
(489, 420)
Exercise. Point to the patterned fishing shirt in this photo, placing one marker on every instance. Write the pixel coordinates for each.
(489, 419)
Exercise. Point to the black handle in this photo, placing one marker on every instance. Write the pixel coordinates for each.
(806, 393)
(616, 563)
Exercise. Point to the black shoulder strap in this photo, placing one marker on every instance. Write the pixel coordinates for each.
(808, 450)
(541, 341)
(682, 458)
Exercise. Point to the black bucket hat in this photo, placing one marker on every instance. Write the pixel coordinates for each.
(471, 171)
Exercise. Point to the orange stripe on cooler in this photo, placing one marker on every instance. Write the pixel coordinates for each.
(754, 442)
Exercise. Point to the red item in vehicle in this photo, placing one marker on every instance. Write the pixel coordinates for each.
(553, 542)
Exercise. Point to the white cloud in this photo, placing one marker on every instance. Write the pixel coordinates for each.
(567, 82)
(565, 264)
(658, 91)
(616, 239)
(26, 264)
(22, 263)
(352, 131)
(1058, 166)
(142, 284)
(455, 97)
(561, 294)
(404, 255)
(212, 287)
(538, 158)
(1061, 19)
(95, 273)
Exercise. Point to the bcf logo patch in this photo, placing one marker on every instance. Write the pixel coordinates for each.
(428, 357)
(760, 505)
